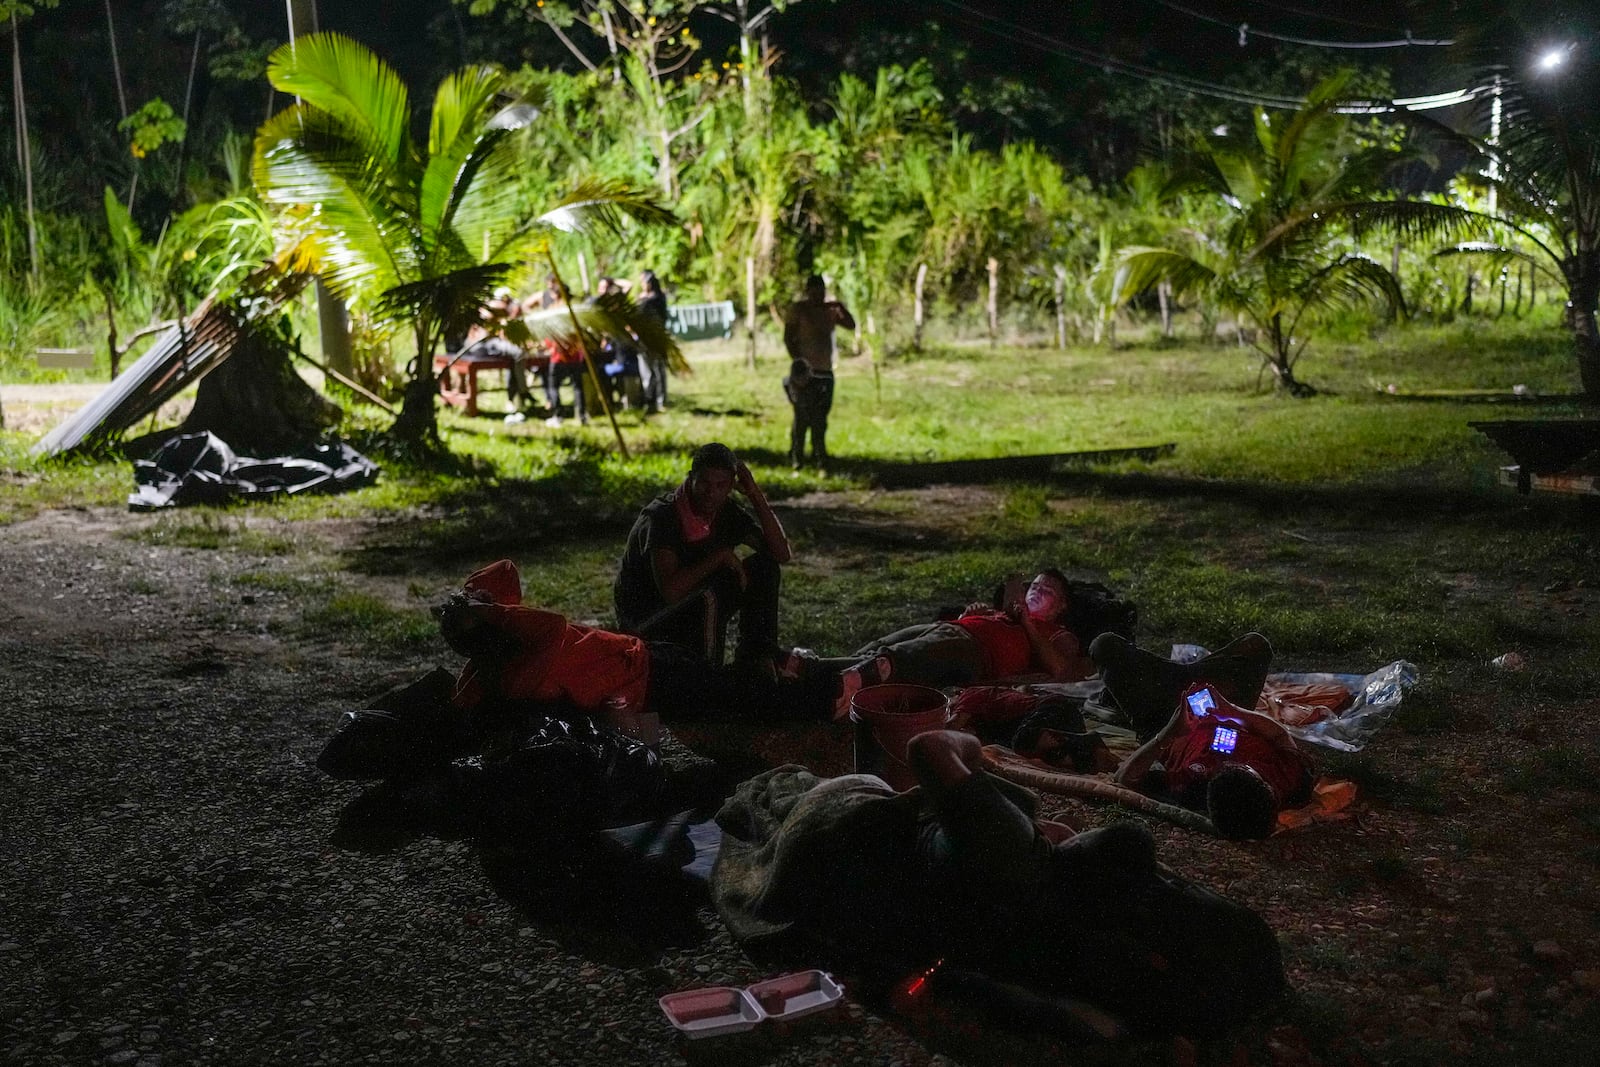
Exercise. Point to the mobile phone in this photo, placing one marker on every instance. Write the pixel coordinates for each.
(1201, 703)
(1224, 740)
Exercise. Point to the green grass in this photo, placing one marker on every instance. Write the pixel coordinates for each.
(357, 618)
(1352, 528)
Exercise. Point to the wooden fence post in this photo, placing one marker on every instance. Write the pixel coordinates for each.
(916, 308)
(750, 305)
(1164, 297)
(1061, 306)
(994, 301)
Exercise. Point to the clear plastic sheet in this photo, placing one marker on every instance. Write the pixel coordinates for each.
(1375, 696)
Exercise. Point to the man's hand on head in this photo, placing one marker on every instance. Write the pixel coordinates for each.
(743, 479)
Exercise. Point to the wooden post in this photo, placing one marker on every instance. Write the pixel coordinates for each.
(594, 378)
(1164, 297)
(750, 305)
(872, 354)
(994, 301)
(916, 308)
(583, 274)
(1516, 309)
(1061, 306)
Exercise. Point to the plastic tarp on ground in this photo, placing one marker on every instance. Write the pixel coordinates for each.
(200, 468)
(1373, 698)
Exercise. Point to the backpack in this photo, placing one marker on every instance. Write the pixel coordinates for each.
(1093, 609)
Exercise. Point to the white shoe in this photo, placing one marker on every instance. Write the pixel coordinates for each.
(553, 421)
(515, 417)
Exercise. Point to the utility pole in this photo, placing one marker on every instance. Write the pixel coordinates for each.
(333, 320)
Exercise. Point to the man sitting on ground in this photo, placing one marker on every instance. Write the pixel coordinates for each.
(1239, 767)
(681, 578)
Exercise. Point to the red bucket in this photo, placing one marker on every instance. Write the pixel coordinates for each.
(886, 718)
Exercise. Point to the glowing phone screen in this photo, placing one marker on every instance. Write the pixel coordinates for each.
(1224, 740)
(1200, 703)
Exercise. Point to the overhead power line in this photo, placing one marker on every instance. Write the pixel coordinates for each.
(1246, 31)
(1043, 42)
(1324, 16)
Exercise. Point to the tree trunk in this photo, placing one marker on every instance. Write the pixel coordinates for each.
(333, 322)
(24, 146)
(111, 332)
(116, 63)
(188, 100)
(1583, 296)
(1281, 365)
(1164, 297)
(418, 421)
(257, 403)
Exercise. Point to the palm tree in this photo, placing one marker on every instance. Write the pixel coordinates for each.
(421, 239)
(1285, 254)
(1545, 167)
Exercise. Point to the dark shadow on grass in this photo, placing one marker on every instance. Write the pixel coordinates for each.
(598, 898)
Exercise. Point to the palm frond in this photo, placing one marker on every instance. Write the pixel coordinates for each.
(359, 220)
(604, 204)
(1406, 219)
(613, 315)
(1500, 256)
(449, 301)
(346, 79)
(1348, 281)
(1138, 267)
(466, 126)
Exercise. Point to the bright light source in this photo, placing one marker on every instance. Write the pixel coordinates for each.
(1554, 58)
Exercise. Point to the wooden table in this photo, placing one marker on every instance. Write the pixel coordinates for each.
(458, 385)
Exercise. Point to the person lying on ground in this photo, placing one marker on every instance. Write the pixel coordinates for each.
(985, 644)
(1145, 687)
(517, 654)
(959, 870)
(1238, 767)
(681, 578)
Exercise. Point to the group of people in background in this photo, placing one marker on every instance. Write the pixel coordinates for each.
(565, 360)
(808, 337)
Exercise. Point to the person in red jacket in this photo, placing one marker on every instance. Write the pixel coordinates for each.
(522, 654)
(1239, 767)
(984, 644)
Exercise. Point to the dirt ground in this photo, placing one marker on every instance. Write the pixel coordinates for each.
(172, 894)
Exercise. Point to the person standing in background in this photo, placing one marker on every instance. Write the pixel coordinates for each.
(653, 366)
(808, 335)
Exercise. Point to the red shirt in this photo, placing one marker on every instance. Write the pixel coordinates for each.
(1197, 755)
(561, 353)
(1006, 649)
(556, 659)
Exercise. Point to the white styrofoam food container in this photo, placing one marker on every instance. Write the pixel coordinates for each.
(725, 1010)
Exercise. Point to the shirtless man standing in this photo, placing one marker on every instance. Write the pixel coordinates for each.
(808, 335)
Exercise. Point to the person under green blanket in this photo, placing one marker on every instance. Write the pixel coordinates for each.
(959, 870)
